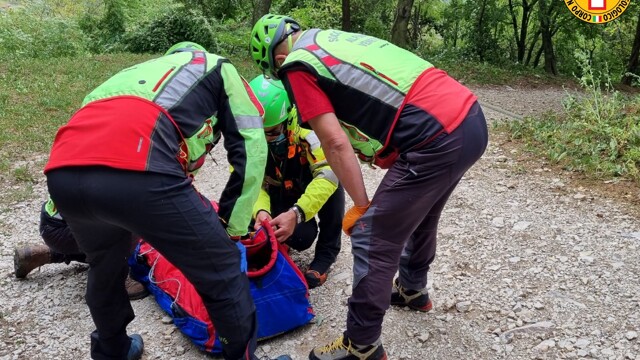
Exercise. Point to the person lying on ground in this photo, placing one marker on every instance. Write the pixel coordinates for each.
(60, 247)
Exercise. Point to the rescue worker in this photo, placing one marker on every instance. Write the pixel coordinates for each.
(124, 164)
(398, 112)
(60, 246)
(298, 184)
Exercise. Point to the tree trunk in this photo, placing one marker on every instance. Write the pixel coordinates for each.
(633, 67)
(536, 60)
(414, 34)
(401, 23)
(452, 38)
(480, 49)
(260, 7)
(346, 15)
(547, 38)
(534, 42)
(514, 23)
(520, 30)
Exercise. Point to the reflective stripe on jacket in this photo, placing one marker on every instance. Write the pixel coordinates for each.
(370, 82)
(164, 116)
(311, 189)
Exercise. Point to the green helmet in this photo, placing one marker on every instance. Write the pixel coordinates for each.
(267, 33)
(274, 99)
(184, 46)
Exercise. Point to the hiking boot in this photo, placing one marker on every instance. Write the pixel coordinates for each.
(414, 299)
(135, 289)
(27, 258)
(343, 349)
(137, 347)
(314, 278)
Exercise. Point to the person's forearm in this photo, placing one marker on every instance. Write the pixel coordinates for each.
(342, 160)
(340, 156)
(344, 163)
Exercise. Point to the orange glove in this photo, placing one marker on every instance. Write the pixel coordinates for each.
(352, 216)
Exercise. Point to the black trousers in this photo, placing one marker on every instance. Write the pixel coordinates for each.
(399, 230)
(105, 206)
(327, 229)
(57, 236)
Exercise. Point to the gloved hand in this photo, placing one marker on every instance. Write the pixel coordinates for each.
(352, 215)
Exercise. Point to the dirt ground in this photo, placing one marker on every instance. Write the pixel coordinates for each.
(533, 263)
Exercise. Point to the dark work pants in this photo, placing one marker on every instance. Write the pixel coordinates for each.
(399, 228)
(57, 236)
(328, 230)
(104, 206)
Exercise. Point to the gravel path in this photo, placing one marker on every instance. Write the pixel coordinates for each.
(529, 265)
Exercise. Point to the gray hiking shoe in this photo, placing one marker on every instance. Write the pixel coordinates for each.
(343, 349)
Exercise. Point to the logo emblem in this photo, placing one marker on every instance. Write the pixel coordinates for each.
(597, 11)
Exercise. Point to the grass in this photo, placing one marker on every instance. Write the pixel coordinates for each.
(37, 96)
(477, 73)
(598, 135)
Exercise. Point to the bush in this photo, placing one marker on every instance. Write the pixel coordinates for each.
(231, 38)
(105, 31)
(24, 34)
(177, 25)
(599, 134)
(324, 15)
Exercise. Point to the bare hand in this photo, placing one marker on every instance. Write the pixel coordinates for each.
(284, 224)
(261, 217)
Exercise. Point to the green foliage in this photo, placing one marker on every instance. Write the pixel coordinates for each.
(139, 11)
(607, 47)
(219, 9)
(230, 38)
(104, 31)
(51, 8)
(468, 30)
(471, 71)
(452, 23)
(373, 17)
(318, 14)
(429, 42)
(176, 25)
(485, 30)
(24, 34)
(599, 134)
(244, 65)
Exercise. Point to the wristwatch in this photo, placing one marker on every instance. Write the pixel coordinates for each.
(299, 214)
